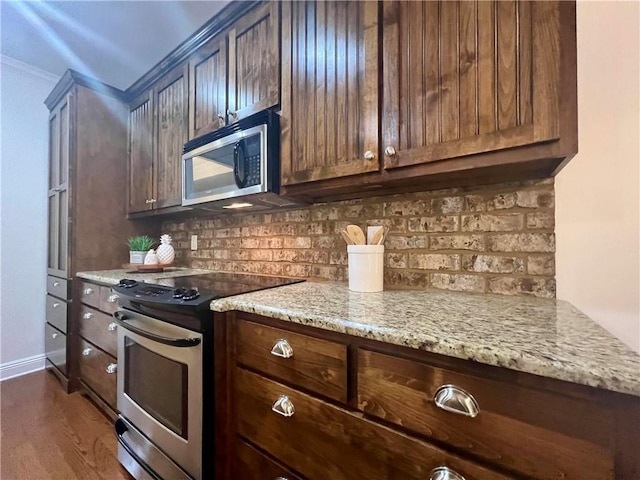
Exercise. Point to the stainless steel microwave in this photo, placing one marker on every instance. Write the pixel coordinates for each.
(235, 166)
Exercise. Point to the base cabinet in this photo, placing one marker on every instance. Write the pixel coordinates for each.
(408, 414)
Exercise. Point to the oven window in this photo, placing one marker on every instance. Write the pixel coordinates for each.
(158, 385)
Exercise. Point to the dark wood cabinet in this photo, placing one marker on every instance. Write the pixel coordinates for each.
(158, 122)
(408, 413)
(330, 121)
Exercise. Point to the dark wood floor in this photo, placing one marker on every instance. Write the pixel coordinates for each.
(47, 434)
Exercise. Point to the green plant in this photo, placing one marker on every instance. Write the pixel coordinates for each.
(140, 243)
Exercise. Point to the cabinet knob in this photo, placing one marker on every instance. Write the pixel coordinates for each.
(112, 327)
(88, 291)
(111, 368)
(444, 473)
(221, 116)
(56, 284)
(283, 406)
(389, 151)
(369, 155)
(54, 335)
(232, 114)
(113, 298)
(456, 400)
(86, 352)
(282, 349)
(55, 304)
(87, 315)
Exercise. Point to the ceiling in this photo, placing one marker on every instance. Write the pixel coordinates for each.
(114, 41)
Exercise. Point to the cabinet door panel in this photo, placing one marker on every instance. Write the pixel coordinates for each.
(208, 88)
(141, 155)
(461, 77)
(171, 128)
(329, 90)
(254, 58)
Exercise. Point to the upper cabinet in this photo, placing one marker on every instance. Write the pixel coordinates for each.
(330, 121)
(237, 73)
(141, 153)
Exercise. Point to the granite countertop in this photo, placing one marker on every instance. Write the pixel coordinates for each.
(112, 277)
(544, 337)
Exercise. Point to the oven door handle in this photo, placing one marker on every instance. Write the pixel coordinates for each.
(121, 429)
(121, 319)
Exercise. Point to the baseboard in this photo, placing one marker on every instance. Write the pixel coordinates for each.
(21, 367)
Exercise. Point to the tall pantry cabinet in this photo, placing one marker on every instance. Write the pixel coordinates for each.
(86, 202)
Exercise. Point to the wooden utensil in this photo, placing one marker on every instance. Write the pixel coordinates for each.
(356, 233)
(377, 237)
(346, 237)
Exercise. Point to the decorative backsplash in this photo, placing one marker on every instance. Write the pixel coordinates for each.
(493, 239)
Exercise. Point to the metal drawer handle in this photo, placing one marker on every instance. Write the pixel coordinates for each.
(87, 315)
(111, 368)
(282, 478)
(283, 406)
(54, 335)
(456, 400)
(113, 298)
(282, 349)
(88, 291)
(55, 304)
(86, 352)
(112, 327)
(56, 284)
(444, 473)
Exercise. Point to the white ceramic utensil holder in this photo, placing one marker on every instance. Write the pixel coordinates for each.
(366, 264)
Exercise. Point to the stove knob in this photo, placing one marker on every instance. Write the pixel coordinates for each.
(179, 292)
(190, 294)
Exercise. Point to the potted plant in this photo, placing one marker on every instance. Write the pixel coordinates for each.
(138, 247)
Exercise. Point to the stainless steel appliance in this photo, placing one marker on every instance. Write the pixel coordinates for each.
(235, 166)
(166, 382)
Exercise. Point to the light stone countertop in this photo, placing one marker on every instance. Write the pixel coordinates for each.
(111, 277)
(544, 337)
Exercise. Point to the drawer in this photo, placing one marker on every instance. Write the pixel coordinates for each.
(316, 365)
(55, 346)
(108, 300)
(98, 371)
(57, 313)
(90, 294)
(538, 433)
(100, 329)
(58, 287)
(252, 464)
(323, 441)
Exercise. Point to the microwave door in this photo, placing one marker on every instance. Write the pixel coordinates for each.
(210, 172)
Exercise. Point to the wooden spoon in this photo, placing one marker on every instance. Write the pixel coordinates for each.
(346, 237)
(357, 235)
(377, 237)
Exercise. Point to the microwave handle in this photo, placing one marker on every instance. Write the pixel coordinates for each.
(239, 166)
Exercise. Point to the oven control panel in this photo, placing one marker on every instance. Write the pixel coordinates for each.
(133, 289)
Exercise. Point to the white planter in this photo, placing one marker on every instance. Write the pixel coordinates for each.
(137, 257)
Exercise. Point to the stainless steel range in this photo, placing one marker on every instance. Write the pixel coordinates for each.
(166, 372)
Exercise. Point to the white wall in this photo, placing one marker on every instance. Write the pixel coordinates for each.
(597, 194)
(23, 207)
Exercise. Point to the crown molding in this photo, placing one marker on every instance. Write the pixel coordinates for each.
(27, 68)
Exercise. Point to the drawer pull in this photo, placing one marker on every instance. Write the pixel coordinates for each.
(112, 327)
(444, 473)
(55, 305)
(113, 298)
(54, 335)
(88, 291)
(56, 284)
(86, 352)
(111, 368)
(87, 315)
(456, 400)
(282, 349)
(282, 478)
(283, 406)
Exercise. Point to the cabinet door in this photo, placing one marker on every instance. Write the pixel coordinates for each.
(141, 154)
(254, 61)
(208, 88)
(170, 98)
(60, 123)
(467, 77)
(330, 120)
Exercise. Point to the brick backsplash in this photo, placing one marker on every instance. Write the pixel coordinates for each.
(492, 239)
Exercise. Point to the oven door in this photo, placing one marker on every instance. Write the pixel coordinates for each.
(160, 387)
